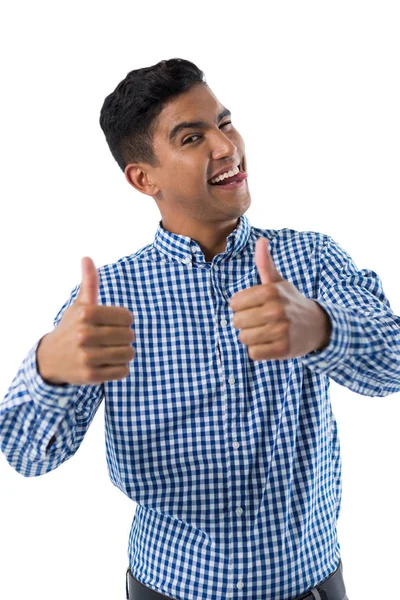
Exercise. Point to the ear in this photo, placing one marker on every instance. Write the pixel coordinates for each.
(137, 177)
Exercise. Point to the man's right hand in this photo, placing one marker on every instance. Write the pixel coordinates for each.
(92, 343)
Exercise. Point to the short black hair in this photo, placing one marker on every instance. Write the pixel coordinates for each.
(128, 115)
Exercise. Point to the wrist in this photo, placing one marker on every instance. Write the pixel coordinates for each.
(323, 327)
(43, 367)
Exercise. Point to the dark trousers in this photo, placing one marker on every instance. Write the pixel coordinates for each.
(332, 588)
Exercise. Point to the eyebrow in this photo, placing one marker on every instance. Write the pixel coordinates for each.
(190, 124)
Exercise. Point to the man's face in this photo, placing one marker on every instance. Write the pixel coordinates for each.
(190, 158)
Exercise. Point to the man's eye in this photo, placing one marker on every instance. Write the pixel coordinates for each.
(194, 136)
(189, 138)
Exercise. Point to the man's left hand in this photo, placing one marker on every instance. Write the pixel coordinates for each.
(276, 320)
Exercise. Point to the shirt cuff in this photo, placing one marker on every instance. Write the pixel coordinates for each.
(338, 346)
(43, 393)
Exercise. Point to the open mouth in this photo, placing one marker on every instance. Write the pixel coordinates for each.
(231, 182)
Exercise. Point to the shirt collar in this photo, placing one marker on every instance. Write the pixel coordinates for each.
(184, 249)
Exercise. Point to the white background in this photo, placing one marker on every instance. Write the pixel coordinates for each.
(313, 88)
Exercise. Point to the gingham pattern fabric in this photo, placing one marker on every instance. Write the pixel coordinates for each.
(234, 463)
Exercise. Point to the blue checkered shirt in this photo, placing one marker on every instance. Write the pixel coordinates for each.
(234, 463)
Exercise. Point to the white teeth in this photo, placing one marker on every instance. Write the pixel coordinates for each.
(225, 175)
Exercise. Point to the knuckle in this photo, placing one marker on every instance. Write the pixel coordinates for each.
(284, 326)
(82, 334)
(85, 358)
(275, 291)
(268, 293)
(278, 312)
(267, 314)
(283, 347)
(89, 374)
(271, 291)
(253, 353)
(85, 313)
(128, 314)
(282, 312)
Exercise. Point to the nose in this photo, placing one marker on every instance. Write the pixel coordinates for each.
(222, 145)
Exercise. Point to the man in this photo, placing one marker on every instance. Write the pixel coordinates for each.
(219, 424)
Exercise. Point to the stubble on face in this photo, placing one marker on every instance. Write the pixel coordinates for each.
(188, 204)
(190, 159)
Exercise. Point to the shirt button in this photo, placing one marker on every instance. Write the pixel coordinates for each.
(187, 260)
(240, 585)
(236, 444)
(216, 267)
(231, 379)
(239, 511)
(223, 322)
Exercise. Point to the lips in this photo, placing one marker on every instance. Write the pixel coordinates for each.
(241, 174)
(224, 170)
(236, 178)
(231, 187)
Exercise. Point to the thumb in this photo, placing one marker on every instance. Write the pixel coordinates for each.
(90, 282)
(264, 263)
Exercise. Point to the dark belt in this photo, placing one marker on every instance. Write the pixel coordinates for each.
(332, 588)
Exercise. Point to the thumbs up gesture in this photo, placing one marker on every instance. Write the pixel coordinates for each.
(92, 343)
(276, 320)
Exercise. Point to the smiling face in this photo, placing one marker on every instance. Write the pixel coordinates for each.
(189, 157)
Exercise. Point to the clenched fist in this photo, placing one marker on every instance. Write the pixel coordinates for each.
(92, 343)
